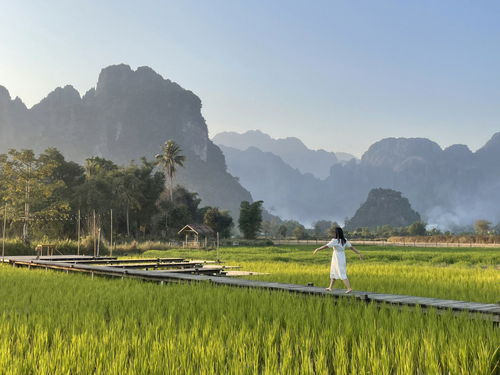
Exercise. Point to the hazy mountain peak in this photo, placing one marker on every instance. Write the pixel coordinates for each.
(458, 148)
(295, 144)
(6, 99)
(67, 91)
(490, 152)
(60, 97)
(383, 207)
(89, 94)
(17, 102)
(492, 144)
(4, 94)
(391, 152)
(112, 78)
(147, 72)
(291, 150)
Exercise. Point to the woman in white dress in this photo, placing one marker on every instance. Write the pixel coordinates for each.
(338, 267)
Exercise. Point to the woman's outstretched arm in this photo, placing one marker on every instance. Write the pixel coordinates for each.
(320, 248)
(357, 252)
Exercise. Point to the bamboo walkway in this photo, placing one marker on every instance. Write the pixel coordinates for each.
(185, 271)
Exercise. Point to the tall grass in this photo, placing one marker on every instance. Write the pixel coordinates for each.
(54, 323)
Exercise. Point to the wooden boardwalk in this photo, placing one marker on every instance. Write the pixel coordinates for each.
(88, 265)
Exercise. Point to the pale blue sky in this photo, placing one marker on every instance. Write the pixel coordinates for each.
(340, 75)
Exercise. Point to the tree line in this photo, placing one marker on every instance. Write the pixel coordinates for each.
(46, 196)
(277, 228)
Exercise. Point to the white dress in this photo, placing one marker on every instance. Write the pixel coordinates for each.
(338, 267)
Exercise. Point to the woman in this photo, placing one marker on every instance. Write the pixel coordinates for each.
(338, 267)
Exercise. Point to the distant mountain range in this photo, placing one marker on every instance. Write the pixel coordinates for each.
(291, 150)
(131, 113)
(286, 191)
(451, 187)
(128, 115)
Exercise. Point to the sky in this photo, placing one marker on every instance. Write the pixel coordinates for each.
(340, 75)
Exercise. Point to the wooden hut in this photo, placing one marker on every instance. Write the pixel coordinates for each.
(197, 235)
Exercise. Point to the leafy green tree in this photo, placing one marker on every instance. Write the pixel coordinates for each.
(181, 210)
(96, 166)
(152, 185)
(482, 226)
(321, 227)
(300, 232)
(169, 159)
(417, 229)
(219, 221)
(128, 191)
(71, 175)
(496, 228)
(29, 187)
(250, 220)
(270, 227)
(266, 228)
(282, 230)
(97, 191)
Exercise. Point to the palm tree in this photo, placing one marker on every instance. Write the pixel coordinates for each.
(169, 160)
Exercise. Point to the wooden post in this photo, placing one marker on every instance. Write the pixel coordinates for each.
(94, 230)
(98, 240)
(218, 259)
(4, 226)
(78, 252)
(111, 235)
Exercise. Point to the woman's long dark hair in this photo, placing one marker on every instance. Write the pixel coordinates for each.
(339, 235)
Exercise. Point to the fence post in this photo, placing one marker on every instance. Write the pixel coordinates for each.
(111, 234)
(78, 250)
(218, 259)
(4, 226)
(95, 239)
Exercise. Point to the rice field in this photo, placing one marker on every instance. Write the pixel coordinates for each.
(454, 273)
(53, 323)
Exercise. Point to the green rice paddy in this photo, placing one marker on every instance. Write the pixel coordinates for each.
(56, 323)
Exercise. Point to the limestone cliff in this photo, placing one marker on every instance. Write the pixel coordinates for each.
(128, 115)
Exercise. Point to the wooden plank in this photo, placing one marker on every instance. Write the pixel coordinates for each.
(244, 273)
(441, 303)
(482, 308)
(126, 261)
(169, 276)
(490, 310)
(65, 258)
(400, 300)
(233, 282)
(385, 297)
(201, 270)
(56, 258)
(422, 301)
(411, 300)
(156, 265)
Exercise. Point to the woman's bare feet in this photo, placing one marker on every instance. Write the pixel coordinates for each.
(329, 289)
(348, 291)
